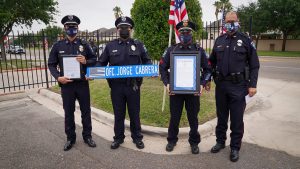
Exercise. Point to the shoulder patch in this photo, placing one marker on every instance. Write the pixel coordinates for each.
(165, 52)
(136, 41)
(253, 45)
(82, 41)
(145, 48)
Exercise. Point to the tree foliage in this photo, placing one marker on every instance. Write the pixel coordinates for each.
(151, 23)
(52, 34)
(275, 15)
(16, 12)
(252, 10)
(117, 12)
(283, 15)
(222, 5)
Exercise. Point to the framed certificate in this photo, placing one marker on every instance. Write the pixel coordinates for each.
(185, 73)
(71, 68)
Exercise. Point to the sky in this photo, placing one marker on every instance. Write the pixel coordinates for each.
(95, 14)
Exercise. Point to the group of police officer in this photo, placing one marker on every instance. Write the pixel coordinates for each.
(233, 63)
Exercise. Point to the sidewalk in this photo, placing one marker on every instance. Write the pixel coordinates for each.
(272, 120)
(32, 136)
(154, 137)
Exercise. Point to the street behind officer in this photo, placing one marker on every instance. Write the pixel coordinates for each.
(191, 101)
(73, 89)
(235, 63)
(125, 91)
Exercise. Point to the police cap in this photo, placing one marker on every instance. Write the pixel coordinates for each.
(124, 20)
(186, 25)
(70, 19)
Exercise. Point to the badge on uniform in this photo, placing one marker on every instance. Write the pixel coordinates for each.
(81, 48)
(70, 17)
(133, 48)
(239, 42)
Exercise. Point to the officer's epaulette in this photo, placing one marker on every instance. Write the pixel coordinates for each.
(224, 34)
(136, 41)
(197, 46)
(83, 41)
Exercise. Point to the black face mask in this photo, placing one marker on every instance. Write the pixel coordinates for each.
(71, 30)
(185, 38)
(124, 34)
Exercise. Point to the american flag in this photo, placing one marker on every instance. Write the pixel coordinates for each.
(178, 13)
(46, 43)
(222, 27)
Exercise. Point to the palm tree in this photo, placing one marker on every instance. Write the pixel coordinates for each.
(222, 5)
(117, 12)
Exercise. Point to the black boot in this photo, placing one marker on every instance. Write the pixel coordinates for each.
(170, 146)
(68, 145)
(234, 155)
(90, 142)
(116, 144)
(139, 144)
(216, 148)
(195, 149)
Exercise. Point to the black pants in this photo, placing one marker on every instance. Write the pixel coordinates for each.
(230, 99)
(192, 106)
(122, 95)
(70, 92)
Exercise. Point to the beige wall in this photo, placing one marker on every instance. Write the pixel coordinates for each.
(265, 45)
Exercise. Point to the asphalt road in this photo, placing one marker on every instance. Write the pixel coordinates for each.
(280, 68)
(32, 136)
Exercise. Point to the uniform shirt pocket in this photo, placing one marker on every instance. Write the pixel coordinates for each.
(241, 53)
(134, 57)
(220, 53)
(114, 57)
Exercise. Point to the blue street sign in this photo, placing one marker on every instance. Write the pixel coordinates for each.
(122, 71)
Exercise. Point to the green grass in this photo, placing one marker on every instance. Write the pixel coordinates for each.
(151, 102)
(19, 64)
(279, 53)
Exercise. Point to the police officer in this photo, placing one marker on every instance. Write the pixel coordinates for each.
(125, 91)
(73, 89)
(235, 63)
(191, 101)
(94, 46)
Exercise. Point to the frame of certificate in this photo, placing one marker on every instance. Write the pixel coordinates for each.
(71, 68)
(185, 73)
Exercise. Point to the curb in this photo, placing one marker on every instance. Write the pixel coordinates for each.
(206, 129)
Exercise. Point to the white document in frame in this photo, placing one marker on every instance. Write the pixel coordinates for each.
(184, 73)
(71, 67)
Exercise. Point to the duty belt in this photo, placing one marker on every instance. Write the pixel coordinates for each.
(233, 77)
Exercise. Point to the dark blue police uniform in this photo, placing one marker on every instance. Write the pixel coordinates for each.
(78, 89)
(192, 102)
(125, 91)
(235, 63)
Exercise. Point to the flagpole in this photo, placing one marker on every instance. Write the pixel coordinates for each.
(165, 88)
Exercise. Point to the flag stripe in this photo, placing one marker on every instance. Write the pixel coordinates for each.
(178, 13)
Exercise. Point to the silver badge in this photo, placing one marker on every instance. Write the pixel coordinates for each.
(239, 42)
(81, 48)
(123, 19)
(133, 47)
(70, 17)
